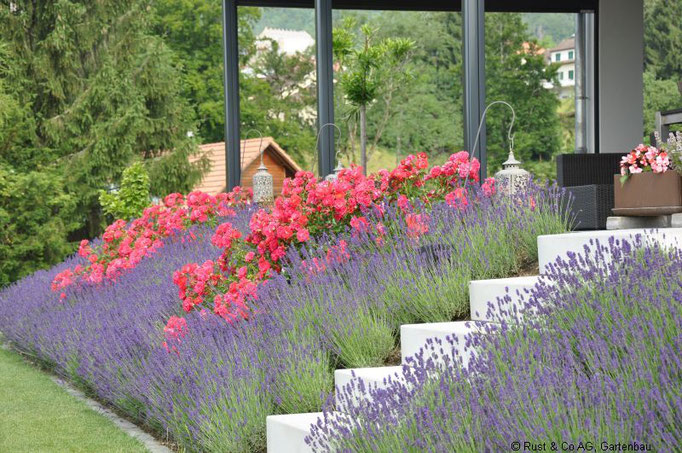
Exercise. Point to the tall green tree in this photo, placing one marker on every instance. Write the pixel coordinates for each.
(276, 96)
(193, 29)
(659, 95)
(663, 38)
(370, 71)
(518, 77)
(94, 89)
(429, 107)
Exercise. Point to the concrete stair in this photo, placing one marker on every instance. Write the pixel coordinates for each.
(286, 433)
(553, 246)
(438, 338)
(347, 382)
(483, 298)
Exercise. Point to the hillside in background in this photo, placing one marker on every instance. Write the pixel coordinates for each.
(549, 28)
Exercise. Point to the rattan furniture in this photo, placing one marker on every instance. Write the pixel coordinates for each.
(589, 179)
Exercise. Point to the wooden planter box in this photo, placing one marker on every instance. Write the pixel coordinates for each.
(648, 194)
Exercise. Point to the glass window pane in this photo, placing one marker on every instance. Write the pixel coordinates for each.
(519, 50)
(278, 88)
(417, 104)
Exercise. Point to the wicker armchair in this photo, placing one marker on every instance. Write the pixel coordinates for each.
(589, 179)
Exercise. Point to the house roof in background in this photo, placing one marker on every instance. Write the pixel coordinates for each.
(214, 180)
(566, 44)
(530, 47)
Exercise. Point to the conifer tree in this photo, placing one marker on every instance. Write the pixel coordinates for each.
(94, 89)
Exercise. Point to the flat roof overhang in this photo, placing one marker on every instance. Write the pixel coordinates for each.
(535, 6)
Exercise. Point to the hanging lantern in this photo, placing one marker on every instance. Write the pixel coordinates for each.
(335, 175)
(512, 178)
(263, 187)
(262, 182)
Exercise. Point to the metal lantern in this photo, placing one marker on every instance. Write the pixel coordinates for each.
(335, 175)
(263, 186)
(512, 178)
(262, 182)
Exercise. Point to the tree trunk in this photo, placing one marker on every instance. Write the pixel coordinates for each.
(363, 138)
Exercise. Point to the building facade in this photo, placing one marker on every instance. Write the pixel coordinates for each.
(564, 56)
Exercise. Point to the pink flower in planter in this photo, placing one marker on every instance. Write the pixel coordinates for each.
(661, 163)
(644, 158)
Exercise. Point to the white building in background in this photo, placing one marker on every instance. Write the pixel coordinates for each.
(564, 56)
(289, 42)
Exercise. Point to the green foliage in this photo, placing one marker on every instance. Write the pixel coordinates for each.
(425, 114)
(276, 97)
(659, 95)
(193, 29)
(133, 196)
(662, 59)
(517, 77)
(663, 38)
(36, 215)
(550, 28)
(86, 88)
(369, 67)
(292, 18)
(370, 70)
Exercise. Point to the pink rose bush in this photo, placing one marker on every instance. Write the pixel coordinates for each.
(228, 285)
(309, 206)
(124, 244)
(642, 159)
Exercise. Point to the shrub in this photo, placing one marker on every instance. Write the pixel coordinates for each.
(132, 197)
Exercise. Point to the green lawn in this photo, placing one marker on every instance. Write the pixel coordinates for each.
(38, 416)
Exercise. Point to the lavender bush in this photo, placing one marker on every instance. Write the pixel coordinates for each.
(212, 390)
(599, 364)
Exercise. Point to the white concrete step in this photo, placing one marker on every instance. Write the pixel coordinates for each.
(374, 377)
(483, 298)
(433, 339)
(286, 433)
(551, 247)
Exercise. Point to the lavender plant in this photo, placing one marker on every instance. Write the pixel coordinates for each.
(211, 389)
(600, 364)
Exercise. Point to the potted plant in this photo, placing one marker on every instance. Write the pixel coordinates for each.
(647, 184)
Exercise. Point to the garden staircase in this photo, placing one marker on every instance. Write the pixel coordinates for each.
(286, 433)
